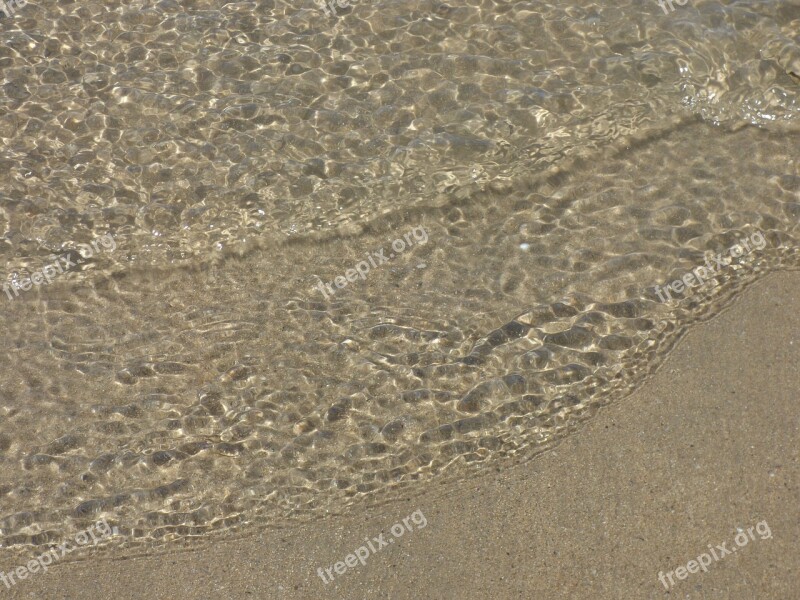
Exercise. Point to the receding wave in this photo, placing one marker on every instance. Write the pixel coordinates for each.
(197, 375)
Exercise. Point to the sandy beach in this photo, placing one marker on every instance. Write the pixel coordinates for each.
(392, 299)
(708, 445)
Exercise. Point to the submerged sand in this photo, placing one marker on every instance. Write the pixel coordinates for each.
(708, 445)
(529, 171)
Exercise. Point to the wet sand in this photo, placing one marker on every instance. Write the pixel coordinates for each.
(709, 444)
(550, 162)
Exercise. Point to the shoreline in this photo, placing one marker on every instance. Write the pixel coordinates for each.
(707, 445)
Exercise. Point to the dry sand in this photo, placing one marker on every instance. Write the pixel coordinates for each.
(709, 444)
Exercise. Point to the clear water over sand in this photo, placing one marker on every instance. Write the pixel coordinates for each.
(561, 160)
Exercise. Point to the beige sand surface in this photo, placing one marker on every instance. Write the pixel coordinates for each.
(709, 444)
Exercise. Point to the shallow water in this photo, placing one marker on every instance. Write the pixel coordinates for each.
(194, 378)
